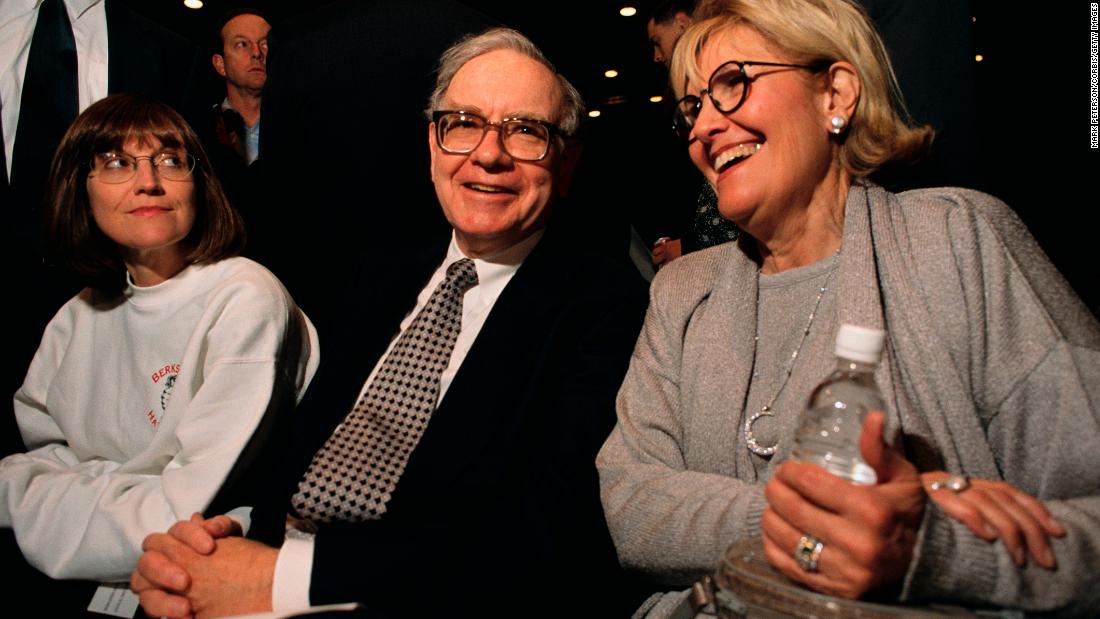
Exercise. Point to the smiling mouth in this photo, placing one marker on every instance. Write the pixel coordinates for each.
(487, 188)
(149, 210)
(735, 155)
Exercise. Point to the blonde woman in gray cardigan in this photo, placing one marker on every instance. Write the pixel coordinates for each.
(991, 368)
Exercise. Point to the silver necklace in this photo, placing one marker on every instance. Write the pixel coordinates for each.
(766, 411)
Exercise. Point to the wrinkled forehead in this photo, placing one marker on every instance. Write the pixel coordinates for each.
(245, 24)
(507, 83)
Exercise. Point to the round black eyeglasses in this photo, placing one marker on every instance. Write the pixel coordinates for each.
(727, 89)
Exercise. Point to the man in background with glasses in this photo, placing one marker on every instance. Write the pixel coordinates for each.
(459, 478)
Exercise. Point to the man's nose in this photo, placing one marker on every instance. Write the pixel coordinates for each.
(490, 151)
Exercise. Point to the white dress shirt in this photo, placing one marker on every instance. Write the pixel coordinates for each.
(293, 568)
(17, 20)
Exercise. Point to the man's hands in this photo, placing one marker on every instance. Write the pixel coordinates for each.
(666, 250)
(868, 532)
(199, 568)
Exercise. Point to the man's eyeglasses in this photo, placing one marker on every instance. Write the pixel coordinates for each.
(727, 89)
(525, 139)
(114, 168)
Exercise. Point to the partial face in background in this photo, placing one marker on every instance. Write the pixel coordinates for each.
(147, 215)
(493, 200)
(663, 36)
(243, 61)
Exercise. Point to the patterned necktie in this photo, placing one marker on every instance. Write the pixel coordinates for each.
(353, 475)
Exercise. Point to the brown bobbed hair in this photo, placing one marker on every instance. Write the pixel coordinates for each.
(74, 239)
(819, 32)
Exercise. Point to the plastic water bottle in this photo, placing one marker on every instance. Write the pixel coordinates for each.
(829, 433)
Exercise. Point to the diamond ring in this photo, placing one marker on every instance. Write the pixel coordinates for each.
(954, 483)
(807, 552)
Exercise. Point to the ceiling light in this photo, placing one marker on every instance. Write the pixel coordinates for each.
(594, 114)
(192, 4)
(628, 11)
(611, 73)
(656, 99)
(979, 58)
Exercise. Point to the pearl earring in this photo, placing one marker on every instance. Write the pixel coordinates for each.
(837, 123)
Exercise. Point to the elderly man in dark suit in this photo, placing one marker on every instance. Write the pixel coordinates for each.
(462, 480)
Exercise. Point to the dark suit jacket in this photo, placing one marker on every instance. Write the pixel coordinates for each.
(149, 59)
(344, 157)
(498, 511)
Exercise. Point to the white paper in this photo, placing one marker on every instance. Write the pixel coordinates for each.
(114, 599)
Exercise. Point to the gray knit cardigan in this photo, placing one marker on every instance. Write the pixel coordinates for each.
(992, 369)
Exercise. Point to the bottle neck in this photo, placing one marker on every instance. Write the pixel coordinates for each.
(851, 365)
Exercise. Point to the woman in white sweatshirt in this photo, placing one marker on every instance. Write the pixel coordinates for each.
(150, 382)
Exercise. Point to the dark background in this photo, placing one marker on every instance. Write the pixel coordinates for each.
(1031, 104)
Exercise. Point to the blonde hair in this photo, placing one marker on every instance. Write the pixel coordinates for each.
(819, 32)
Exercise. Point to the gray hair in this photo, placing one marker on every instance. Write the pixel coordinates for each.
(472, 46)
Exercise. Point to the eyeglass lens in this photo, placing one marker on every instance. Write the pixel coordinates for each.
(726, 89)
(119, 167)
(522, 139)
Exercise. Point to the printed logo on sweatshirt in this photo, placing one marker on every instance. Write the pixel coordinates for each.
(165, 377)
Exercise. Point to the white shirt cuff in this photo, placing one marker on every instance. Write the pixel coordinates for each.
(243, 517)
(293, 572)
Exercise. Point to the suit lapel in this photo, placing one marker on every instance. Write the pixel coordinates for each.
(352, 323)
(132, 57)
(145, 58)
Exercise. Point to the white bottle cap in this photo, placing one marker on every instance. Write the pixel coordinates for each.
(859, 343)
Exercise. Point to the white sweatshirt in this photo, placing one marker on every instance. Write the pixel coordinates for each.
(134, 412)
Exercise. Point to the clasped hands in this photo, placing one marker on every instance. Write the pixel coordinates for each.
(203, 568)
(869, 532)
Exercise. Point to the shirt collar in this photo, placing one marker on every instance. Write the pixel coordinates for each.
(495, 271)
(76, 7)
(226, 105)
